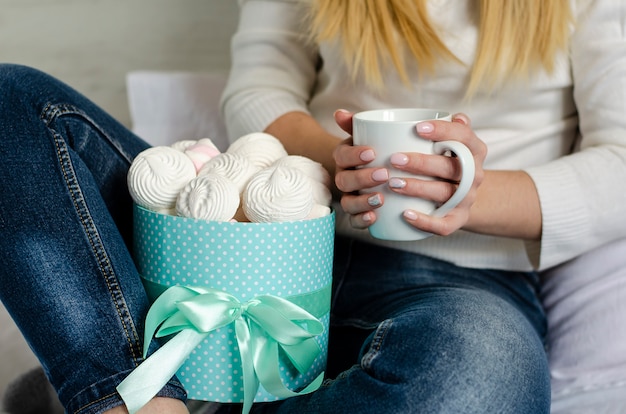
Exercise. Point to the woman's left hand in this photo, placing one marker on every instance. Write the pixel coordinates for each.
(446, 171)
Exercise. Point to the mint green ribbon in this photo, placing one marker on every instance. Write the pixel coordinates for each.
(262, 326)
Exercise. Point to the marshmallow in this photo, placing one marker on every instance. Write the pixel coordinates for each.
(157, 175)
(209, 197)
(201, 152)
(259, 148)
(278, 194)
(235, 167)
(315, 171)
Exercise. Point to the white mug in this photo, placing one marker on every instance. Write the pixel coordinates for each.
(389, 131)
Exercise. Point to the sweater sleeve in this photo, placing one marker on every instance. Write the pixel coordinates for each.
(582, 195)
(273, 66)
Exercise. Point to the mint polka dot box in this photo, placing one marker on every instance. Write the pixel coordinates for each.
(241, 308)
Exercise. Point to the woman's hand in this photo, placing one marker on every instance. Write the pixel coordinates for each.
(446, 171)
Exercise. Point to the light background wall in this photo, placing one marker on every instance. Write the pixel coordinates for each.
(91, 45)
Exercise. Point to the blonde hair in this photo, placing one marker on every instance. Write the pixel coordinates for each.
(516, 37)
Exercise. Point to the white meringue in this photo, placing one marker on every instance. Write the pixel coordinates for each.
(277, 194)
(201, 152)
(318, 211)
(235, 167)
(157, 175)
(209, 197)
(315, 171)
(183, 144)
(260, 148)
(312, 169)
(167, 211)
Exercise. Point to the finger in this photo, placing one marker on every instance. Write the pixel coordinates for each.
(437, 191)
(440, 166)
(444, 130)
(462, 118)
(348, 156)
(343, 118)
(457, 131)
(354, 180)
(441, 226)
(363, 221)
(354, 204)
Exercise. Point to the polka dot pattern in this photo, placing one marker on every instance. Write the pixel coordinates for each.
(245, 260)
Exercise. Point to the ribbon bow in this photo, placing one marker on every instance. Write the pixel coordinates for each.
(262, 325)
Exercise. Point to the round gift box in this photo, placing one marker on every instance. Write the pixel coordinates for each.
(291, 260)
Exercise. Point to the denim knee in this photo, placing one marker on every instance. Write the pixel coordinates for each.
(466, 351)
(18, 81)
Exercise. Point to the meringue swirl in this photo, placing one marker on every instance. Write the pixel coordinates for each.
(233, 166)
(312, 169)
(182, 145)
(315, 171)
(209, 197)
(259, 148)
(278, 194)
(157, 175)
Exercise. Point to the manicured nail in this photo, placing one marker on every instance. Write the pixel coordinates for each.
(367, 217)
(374, 200)
(397, 183)
(380, 175)
(462, 118)
(410, 214)
(425, 128)
(399, 159)
(367, 155)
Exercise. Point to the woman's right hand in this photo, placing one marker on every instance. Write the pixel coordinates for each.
(350, 180)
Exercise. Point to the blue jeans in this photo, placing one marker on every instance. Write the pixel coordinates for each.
(410, 333)
(419, 335)
(67, 277)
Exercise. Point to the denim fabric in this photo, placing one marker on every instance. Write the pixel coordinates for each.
(419, 335)
(67, 277)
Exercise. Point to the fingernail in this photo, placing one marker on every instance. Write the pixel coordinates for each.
(374, 200)
(380, 175)
(425, 128)
(343, 111)
(399, 159)
(397, 183)
(461, 118)
(367, 155)
(367, 217)
(410, 214)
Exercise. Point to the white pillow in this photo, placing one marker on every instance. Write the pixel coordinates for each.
(166, 107)
(585, 302)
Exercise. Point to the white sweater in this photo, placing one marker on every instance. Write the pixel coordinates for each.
(529, 126)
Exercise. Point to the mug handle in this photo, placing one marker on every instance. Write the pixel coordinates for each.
(465, 157)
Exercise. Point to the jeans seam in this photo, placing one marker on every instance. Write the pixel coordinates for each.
(54, 111)
(376, 343)
(49, 113)
(92, 403)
